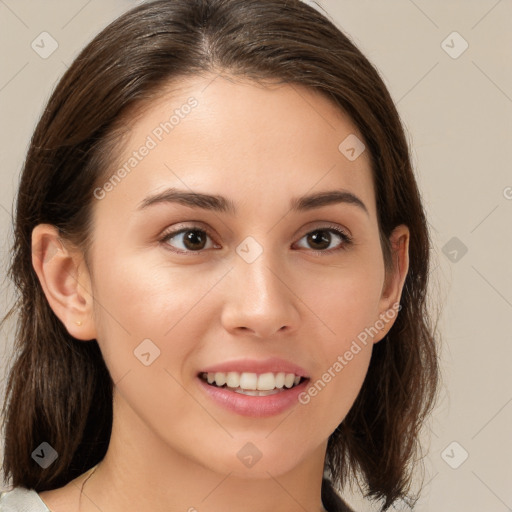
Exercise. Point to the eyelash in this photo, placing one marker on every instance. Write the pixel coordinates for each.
(347, 240)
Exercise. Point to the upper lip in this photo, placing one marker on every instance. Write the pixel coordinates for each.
(274, 365)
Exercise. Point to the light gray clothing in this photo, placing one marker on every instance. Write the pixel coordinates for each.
(20, 499)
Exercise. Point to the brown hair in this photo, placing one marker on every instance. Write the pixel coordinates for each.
(59, 390)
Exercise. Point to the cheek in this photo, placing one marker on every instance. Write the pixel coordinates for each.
(144, 306)
(346, 304)
(146, 334)
(345, 300)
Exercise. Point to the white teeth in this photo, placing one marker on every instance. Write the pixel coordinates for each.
(220, 378)
(288, 380)
(266, 383)
(249, 381)
(233, 380)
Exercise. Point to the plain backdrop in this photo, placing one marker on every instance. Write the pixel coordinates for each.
(448, 66)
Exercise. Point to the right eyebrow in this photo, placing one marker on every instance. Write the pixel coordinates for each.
(191, 199)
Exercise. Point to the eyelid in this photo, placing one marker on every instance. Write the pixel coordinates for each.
(328, 225)
(189, 225)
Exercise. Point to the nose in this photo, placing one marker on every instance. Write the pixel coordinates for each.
(259, 299)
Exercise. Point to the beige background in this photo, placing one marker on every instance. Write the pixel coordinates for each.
(458, 115)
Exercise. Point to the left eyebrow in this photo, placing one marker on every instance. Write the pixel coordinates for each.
(224, 205)
(309, 202)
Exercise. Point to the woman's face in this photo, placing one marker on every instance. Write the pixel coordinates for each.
(205, 259)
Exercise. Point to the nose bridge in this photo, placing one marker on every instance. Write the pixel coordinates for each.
(257, 269)
(259, 297)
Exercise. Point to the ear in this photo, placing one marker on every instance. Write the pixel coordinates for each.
(389, 304)
(65, 280)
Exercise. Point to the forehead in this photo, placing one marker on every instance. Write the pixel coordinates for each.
(250, 141)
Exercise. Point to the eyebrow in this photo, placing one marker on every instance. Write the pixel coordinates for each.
(224, 205)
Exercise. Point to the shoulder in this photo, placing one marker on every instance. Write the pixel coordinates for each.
(20, 499)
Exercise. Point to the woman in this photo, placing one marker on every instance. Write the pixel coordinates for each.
(222, 260)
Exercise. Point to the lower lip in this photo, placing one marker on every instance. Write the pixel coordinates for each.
(255, 406)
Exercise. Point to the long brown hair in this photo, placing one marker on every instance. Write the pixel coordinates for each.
(59, 390)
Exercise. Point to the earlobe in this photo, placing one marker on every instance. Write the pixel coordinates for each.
(389, 306)
(65, 281)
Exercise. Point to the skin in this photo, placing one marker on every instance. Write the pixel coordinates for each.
(172, 448)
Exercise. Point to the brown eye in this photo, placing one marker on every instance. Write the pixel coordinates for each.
(188, 239)
(194, 240)
(321, 239)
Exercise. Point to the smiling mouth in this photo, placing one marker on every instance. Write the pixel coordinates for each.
(253, 384)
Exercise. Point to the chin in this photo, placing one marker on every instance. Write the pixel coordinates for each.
(251, 463)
